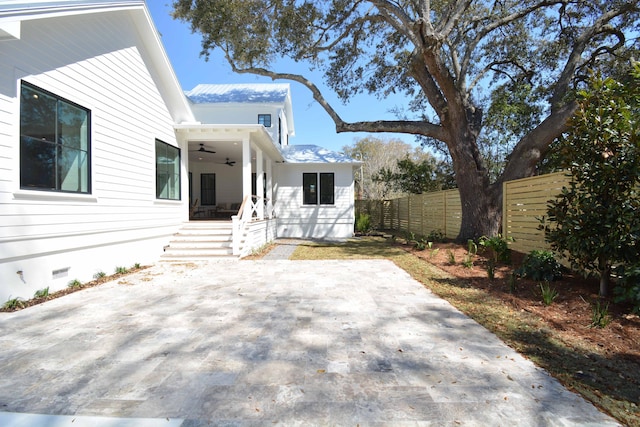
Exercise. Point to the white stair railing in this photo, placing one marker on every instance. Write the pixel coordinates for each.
(249, 211)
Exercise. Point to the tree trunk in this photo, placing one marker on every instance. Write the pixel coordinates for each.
(605, 275)
(481, 208)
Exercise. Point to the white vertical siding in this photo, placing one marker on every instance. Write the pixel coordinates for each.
(96, 62)
(314, 221)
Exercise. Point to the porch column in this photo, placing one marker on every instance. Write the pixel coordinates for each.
(259, 183)
(269, 185)
(246, 169)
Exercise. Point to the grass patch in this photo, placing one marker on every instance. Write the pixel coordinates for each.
(361, 248)
(608, 382)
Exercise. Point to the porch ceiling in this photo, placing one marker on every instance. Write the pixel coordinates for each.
(226, 141)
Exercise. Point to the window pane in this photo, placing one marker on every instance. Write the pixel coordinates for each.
(167, 171)
(72, 170)
(264, 120)
(72, 126)
(38, 114)
(327, 189)
(310, 188)
(37, 164)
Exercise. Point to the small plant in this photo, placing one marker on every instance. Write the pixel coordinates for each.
(600, 315)
(14, 303)
(549, 294)
(99, 275)
(540, 265)
(74, 284)
(472, 247)
(451, 256)
(121, 270)
(420, 245)
(468, 262)
(363, 223)
(136, 266)
(499, 248)
(434, 252)
(435, 236)
(41, 293)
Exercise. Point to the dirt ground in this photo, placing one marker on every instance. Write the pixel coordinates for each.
(571, 312)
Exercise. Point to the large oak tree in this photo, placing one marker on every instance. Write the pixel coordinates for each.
(453, 60)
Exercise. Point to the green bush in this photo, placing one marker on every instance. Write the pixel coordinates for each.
(627, 289)
(435, 236)
(540, 265)
(498, 246)
(363, 223)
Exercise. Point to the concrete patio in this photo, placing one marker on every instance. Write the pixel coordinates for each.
(245, 343)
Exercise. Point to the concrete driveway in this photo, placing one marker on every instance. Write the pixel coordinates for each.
(268, 343)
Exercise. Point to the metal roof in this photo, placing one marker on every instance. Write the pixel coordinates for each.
(313, 154)
(239, 93)
(10, 6)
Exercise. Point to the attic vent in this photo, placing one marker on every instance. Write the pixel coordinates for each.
(60, 273)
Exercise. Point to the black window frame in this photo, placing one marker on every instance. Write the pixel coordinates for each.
(162, 173)
(264, 120)
(42, 172)
(318, 188)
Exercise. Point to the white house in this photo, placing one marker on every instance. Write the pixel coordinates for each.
(103, 157)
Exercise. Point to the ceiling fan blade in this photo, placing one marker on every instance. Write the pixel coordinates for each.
(204, 150)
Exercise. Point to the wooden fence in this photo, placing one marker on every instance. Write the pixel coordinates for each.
(524, 202)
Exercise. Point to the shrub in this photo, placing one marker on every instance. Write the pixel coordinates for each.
(13, 303)
(628, 287)
(498, 246)
(75, 283)
(363, 223)
(41, 293)
(435, 236)
(540, 265)
(420, 245)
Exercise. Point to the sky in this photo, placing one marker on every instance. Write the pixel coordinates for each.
(312, 124)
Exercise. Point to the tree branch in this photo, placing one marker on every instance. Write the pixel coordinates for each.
(534, 146)
(392, 126)
(483, 32)
(575, 58)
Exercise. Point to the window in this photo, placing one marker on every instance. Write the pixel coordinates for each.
(167, 171)
(264, 120)
(54, 143)
(208, 189)
(311, 191)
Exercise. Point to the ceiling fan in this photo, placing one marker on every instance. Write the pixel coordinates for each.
(229, 162)
(203, 149)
